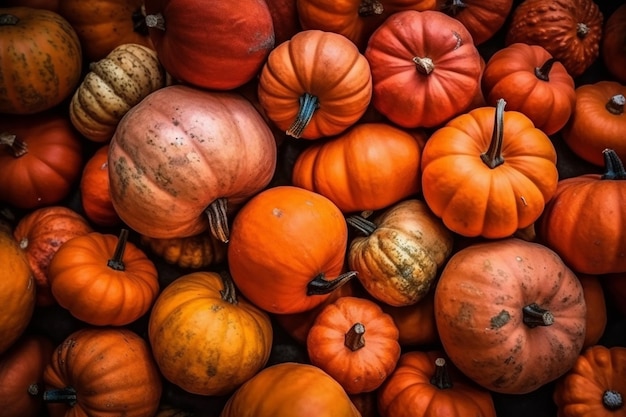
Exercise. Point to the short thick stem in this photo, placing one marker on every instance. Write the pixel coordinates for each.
(612, 400)
(62, 395)
(355, 337)
(423, 65)
(18, 146)
(533, 316)
(33, 389)
(616, 104)
(308, 104)
(117, 260)
(441, 379)
(319, 285)
(543, 72)
(217, 213)
(156, 21)
(370, 8)
(613, 166)
(363, 225)
(493, 156)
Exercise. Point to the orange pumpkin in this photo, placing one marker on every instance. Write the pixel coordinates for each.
(314, 85)
(40, 234)
(100, 371)
(355, 342)
(94, 190)
(416, 322)
(41, 60)
(488, 172)
(596, 308)
(613, 44)
(483, 18)
(102, 279)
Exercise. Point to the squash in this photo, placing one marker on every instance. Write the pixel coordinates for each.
(112, 86)
(488, 172)
(613, 44)
(355, 342)
(102, 279)
(595, 384)
(483, 18)
(290, 389)
(94, 190)
(425, 68)
(41, 60)
(40, 234)
(510, 314)
(192, 252)
(570, 30)
(206, 339)
(176, 164)
(316, 84)
(99, 371)
(287, 249)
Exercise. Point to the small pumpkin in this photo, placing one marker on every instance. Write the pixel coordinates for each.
(112, 86)
(94, 190)
(316, 84)
(355, 342)
(42, 60)
(290, 389)
(510, 314)
(595, 384)
(40, 234)
(574, 41)
(426, 384)
(41, 158)
(192, 252)
(99, 371)
(401, 253)
(613, 44)
(205, 338)
(103, 279)
(483, 18)
(488, 172)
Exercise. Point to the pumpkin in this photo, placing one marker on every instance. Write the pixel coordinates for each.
(596, 308)
(41, 158)
(532, 82)
(176, 161)
(597, 122)
(415, 322)
(613, 44)
(112, 86)
(595, 384)
(369, 167)
(192, 252)
(99, 371)
(21, 376)
(205, 338)
(424, 383)
(510, 314)
(284, 18)
(570, 30)
(41, 57)
(103, 25)
(287, 249)
(355, 342)
(594, 246)
(425, 68)
(401, 252)
(223, 58)
(314, 85)
(102, 279)
(482, 18)
(17, 291)
(94, 190)
(40, 234)
(614, 286)
(354, 19)
(488, 172)
(289, 389)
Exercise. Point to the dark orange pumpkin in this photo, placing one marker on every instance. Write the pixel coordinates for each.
(416, 322)
(483, 18)
(94, 190)
(613, 44)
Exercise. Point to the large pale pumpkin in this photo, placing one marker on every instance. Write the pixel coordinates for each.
(183, 150)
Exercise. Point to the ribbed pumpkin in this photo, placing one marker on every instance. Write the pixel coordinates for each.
(41, 60)
(94, 190)
(112, 86)
(483, 18)
(102, 371)
(205, 338)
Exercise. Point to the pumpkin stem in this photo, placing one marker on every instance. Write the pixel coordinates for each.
(424, 65)
(17, 145)
(612, 400)
(308, 104)
(582, 30)
(543, 71)
(156, 21)
(218, 219)
(360, 223)
(355, 337)
(493, 156)
(454, 7)
(33, 389)
(613, 166)
(229, 293)
(139, 21)
(616, 104)
(117, 260)
(441, 379)
(65, 395)
(319, 285)
(7, 19)
(370, 7)
(534, 316)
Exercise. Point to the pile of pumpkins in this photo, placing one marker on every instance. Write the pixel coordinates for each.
(312, 207)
